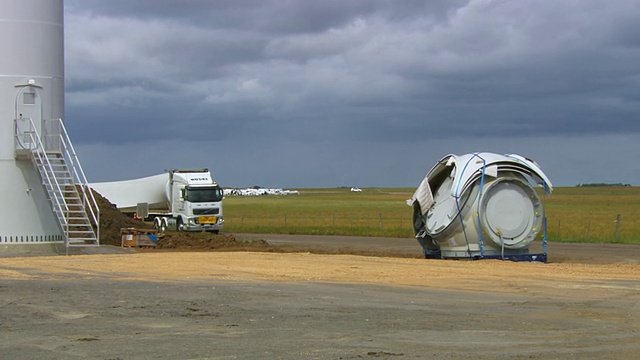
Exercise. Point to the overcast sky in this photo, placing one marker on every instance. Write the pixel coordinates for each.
(282, 93)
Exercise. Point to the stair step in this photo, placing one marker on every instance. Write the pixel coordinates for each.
(70, 213)
(82, 241)
(74, 211)
(55, 166)
(63, 179)
(71, 192)
(61, 185)
(69, 198)
(70, 210)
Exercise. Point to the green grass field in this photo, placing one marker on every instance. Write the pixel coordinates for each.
(574, 214)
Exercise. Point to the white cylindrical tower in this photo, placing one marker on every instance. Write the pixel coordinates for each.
(31, 87)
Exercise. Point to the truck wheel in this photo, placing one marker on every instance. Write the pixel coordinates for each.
(159, 224)
(180, 225)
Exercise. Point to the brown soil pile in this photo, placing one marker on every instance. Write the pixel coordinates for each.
(112, 220)
(206, 241)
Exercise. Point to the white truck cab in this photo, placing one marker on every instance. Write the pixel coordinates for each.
(194, 202)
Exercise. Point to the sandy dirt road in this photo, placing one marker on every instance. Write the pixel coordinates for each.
(408, 247)
(584, 304)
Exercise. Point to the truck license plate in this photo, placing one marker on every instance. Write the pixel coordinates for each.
(208, 219)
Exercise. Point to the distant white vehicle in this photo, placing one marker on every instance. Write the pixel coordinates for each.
(258, 192)
(356, 189)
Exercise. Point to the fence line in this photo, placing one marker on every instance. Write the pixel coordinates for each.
(594, 229)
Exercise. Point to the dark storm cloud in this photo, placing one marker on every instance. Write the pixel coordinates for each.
(362, 72)
(271, 16)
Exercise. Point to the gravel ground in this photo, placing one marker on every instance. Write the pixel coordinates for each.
(294, 301)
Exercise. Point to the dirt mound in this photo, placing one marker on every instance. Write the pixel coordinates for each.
(206, 241)
(112, 220)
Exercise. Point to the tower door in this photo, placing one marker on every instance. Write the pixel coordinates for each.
(28, 106)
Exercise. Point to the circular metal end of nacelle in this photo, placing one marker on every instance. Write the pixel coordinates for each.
(510, 213)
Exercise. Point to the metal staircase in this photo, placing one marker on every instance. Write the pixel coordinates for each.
(65, 184)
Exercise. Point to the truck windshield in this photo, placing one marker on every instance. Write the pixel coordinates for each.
(203, 194)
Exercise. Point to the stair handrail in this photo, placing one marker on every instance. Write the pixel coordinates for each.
(78, 174)
(39, 150)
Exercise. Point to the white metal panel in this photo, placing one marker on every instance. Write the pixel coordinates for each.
(423, 196)
(472, 165)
